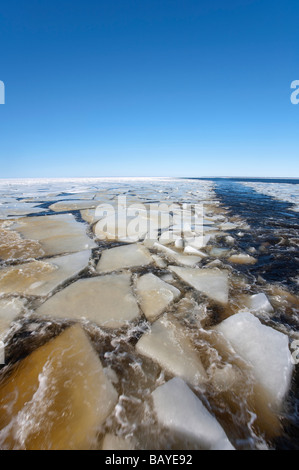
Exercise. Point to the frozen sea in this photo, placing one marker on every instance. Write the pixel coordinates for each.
(184, 336)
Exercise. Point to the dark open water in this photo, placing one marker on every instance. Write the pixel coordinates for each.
(274, 227)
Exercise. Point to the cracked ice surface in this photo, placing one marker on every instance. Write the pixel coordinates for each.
(113, 294)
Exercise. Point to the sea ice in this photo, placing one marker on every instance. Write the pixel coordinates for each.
(10, 309)
(42, 277)
(119, 226)
(186, 260)
(167, 344)
(126, 256)
(259, 303)
(198, 242)
(18, 209)
(89, 215)
(218, 252)
(154, 295)
(64, 206)
(265, 349)
(182, 412)
(13, 246)
(112, 442)
(106, 300)
(228, 226)
(242, 258)
(57, 397)
(57, 234)
(211, 282)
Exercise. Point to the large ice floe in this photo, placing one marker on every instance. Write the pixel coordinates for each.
(56, 234)
(265, 349)
(62, 396)
(127, 256)
(211, 282)
(42, 277)
(106, 300)
(132, 317)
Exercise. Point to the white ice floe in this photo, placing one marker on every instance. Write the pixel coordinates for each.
(42, 277)
(18, 209)
(63, 206)
(126, 256)
(184, 259)
(105, 300)
(189, 250)
(242, 258)
(181, 411)
(259, 303)
(167, 343)
(218, 252)
(228, 226)
(198, 242)
(160, 262)
(265, 349)
(57, 234)
(211, 282)
(154, 295)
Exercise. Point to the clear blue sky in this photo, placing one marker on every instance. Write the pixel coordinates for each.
(149, 88)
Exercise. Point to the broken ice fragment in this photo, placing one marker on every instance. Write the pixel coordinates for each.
(57, 397)
(42, 277)
(186, 260)
(155, 295)
(64, 206)
(259, 303)
(182, 412)
(126, 256)
(211, 282)
(242, 258)
(106, 300)
(10, 309)
(56, 234)
(265, 349)
(112, 442)
(13, 246)
(167, 344)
